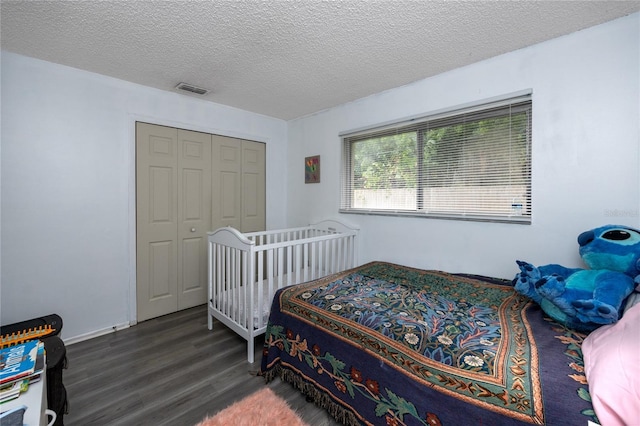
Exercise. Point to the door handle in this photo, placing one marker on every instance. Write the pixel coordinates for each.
(193, 229)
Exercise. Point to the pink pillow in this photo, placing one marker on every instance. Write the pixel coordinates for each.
(612, 366)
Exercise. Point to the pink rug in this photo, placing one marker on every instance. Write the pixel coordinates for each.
(262, 408)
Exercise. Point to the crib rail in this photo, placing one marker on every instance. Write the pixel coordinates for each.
(245, 270)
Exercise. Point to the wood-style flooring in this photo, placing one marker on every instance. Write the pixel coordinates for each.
(167, 371)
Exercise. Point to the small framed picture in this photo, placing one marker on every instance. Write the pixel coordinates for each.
(312, 169)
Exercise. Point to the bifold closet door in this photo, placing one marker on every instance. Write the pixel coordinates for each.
(173, 191)
(253, 186)
(239, 184)
(227, 174)
(194, 216)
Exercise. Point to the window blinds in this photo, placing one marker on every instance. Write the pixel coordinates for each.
(471, 163)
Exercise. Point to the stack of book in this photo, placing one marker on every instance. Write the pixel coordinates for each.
(20, 365)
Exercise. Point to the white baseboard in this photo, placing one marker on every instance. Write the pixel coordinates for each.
(96, 333)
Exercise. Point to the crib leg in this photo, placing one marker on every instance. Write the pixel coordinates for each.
(250, 350)
(210, 322)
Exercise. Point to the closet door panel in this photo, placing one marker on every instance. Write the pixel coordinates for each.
(161, 269)
(253, 186)
(229, 201)
(226, 187)
(156, 220)
(194, 216)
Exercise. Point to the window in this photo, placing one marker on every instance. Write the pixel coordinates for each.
(472, 163)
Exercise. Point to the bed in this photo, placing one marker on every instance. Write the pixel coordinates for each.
(392, 345)
(246, 269)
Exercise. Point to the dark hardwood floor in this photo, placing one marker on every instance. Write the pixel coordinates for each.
(167, 371)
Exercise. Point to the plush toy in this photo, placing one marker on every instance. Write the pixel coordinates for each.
(584, 299)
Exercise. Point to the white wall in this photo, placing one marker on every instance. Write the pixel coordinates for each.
(68, 202)
(585, 154)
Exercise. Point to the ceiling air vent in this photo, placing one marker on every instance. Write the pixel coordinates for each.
(191, 88)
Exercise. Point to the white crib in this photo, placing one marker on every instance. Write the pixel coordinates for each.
(245, 270)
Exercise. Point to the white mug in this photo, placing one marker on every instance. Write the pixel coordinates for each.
(52, 414)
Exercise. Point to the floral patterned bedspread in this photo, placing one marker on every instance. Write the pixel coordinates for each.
(392, 345)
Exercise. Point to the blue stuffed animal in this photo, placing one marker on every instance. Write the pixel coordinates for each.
(585, 299)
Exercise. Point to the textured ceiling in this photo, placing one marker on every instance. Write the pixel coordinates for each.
(286, 59)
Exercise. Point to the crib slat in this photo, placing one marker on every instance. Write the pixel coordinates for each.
(271, 258)
(305, 262)
(259, 256)
(225, 279)
(290, 268)
(320, 255)
(280, 275)
(314, 260)
(232, 291)
(297, 264)
(337, 251)
(242, 291)
(219, 271)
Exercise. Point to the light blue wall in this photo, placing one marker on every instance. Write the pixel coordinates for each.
(68, 201)
(585, 153)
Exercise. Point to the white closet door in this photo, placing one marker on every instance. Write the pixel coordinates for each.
(253, 186)
(239, 184)
(227, 182)
(194, 216)
(156, 220)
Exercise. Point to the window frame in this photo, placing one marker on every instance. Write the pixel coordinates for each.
(521, 100)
